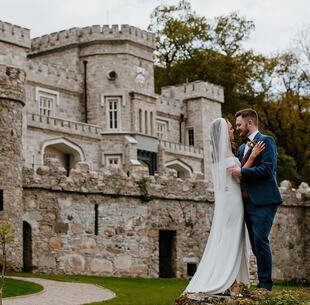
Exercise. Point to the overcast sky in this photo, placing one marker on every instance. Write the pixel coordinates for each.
(276, 21)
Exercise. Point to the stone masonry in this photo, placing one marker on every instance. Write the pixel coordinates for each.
(100, 175)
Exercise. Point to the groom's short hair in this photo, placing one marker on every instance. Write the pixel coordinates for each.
(248, 114)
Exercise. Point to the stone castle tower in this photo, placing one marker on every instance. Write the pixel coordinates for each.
(14, 43)
(12, 101)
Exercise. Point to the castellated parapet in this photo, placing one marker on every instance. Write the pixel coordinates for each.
(15, 34)
(114, 181)
(194, 90)
(93, 33)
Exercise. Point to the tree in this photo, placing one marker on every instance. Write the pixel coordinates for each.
(288, 120)
(178, 32)
(229, 32)
(6, 237)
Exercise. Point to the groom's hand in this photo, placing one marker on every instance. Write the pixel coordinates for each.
(235, 171)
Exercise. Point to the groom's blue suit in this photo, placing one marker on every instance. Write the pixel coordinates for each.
(261, 198)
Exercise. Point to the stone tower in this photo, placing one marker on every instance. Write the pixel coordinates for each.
(14, 44)
(12, 100)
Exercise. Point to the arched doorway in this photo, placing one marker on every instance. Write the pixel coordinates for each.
(183, 169)
(27, 247)
(67, 153)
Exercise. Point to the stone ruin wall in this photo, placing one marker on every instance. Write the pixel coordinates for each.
(61, 213)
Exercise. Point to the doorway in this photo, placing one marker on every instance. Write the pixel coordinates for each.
(167, 253)
(27, 247)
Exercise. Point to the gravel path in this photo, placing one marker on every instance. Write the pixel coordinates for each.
(61, 293)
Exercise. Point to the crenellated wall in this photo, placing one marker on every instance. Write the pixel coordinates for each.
(91, 34)
(132, 208)
(15, 34)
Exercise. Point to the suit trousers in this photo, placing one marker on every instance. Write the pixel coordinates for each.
(259, 220)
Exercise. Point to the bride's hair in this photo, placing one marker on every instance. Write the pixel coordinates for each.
(220, 151)
(218, 137)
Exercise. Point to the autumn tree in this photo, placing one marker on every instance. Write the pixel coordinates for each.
(179, 32)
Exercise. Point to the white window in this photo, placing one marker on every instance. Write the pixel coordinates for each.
(113, 112)
(162, 130)
(113, 161)
(47, 100)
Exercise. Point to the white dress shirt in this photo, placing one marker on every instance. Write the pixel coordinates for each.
(251, 138)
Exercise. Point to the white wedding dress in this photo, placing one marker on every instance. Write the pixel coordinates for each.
(226, 255)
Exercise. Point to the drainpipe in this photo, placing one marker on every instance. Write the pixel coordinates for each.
(85, 89)
(181, 120)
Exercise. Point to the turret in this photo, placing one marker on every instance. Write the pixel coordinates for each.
(12, 101)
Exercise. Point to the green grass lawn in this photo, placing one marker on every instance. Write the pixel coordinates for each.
(137, 291)
(14, 288)
(129, 291)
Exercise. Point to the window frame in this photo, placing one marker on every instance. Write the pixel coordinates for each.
(108, 99)
(109, 157)
(50, 94)
(165, 133)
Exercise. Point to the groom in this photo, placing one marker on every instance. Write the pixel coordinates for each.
(260, 192)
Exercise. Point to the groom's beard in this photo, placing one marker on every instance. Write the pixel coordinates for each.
(246, 132)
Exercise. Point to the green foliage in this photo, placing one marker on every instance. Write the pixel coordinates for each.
(277, 87)
(287, 169)
(145, 197)
(178, 32)
(15, 287)
(6, 237)
(229, 32)
(6, 234)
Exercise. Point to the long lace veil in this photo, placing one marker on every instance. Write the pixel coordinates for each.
(220, 151)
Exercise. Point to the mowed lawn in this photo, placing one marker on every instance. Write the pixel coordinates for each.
(137, 291)
(14, 288)
(129, 291)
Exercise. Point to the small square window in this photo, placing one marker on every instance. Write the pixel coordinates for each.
(113, 160)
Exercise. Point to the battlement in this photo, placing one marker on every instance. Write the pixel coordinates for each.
(47, 70)
(137, 182)
(14, 34)
(194, 90)
(92, 33)
(114, 181)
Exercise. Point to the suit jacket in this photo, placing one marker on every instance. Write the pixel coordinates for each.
(261, 179)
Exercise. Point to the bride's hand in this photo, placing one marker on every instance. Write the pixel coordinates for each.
(257, 149)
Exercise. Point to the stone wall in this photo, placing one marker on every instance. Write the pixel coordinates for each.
(62, 213)
(12, 100)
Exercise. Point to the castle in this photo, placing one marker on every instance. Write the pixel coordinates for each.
(100, 175)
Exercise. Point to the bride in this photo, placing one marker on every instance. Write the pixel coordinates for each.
(225, 260)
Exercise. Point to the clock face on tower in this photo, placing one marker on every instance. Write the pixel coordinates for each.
(140, 72)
